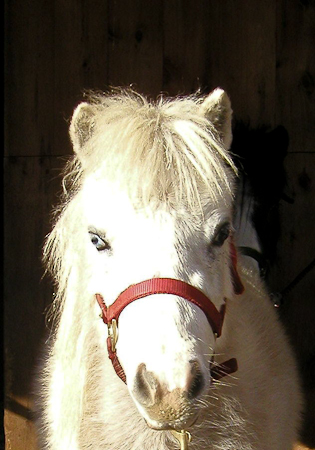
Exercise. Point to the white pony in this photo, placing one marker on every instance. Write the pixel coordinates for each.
(149, 215)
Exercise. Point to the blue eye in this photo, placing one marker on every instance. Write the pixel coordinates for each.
(98, 242)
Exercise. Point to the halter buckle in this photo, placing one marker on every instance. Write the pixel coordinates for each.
(113, 334)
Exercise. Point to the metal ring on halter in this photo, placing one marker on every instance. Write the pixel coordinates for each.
(113, 333)
(183, 437)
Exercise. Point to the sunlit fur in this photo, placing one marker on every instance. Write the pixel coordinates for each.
(157, 179)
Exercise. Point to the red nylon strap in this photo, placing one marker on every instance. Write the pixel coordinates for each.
(115, 361)
(164, 286)
(221, 370)
(181, 289)
(237, 284)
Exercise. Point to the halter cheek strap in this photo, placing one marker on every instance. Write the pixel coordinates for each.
(110, 314)
(237, 283)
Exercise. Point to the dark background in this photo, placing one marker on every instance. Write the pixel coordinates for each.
(260, 51)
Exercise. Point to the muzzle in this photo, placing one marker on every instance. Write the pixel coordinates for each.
(110, 314)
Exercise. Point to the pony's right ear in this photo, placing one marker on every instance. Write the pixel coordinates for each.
(217, 109)
(81, 127)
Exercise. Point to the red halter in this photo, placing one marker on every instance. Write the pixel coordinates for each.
(110, 314)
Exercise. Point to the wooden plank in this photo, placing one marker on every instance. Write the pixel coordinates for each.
(54, 52)
(296, 72)
(186, 43)
(135, 53)
(241, 57)
(30, 189)
(297, 246)
(80, 60)
(29, 77)
(295, 109)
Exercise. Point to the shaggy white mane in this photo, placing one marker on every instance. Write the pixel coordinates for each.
(166, 151)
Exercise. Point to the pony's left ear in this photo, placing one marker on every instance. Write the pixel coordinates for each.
(217, 109)
(81, 127)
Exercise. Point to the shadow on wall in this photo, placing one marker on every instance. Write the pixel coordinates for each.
(270, 150)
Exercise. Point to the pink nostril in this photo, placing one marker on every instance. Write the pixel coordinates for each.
(146, 387)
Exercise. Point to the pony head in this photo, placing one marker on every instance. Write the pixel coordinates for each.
(152, 192)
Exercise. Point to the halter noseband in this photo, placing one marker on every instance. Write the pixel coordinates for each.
(110, 314)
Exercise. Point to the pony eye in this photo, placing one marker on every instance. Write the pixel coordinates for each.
(98, 242)
(221, 234)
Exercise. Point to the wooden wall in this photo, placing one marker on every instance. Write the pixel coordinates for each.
(260, 51)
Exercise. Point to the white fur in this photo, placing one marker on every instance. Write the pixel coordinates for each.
(157, 180)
